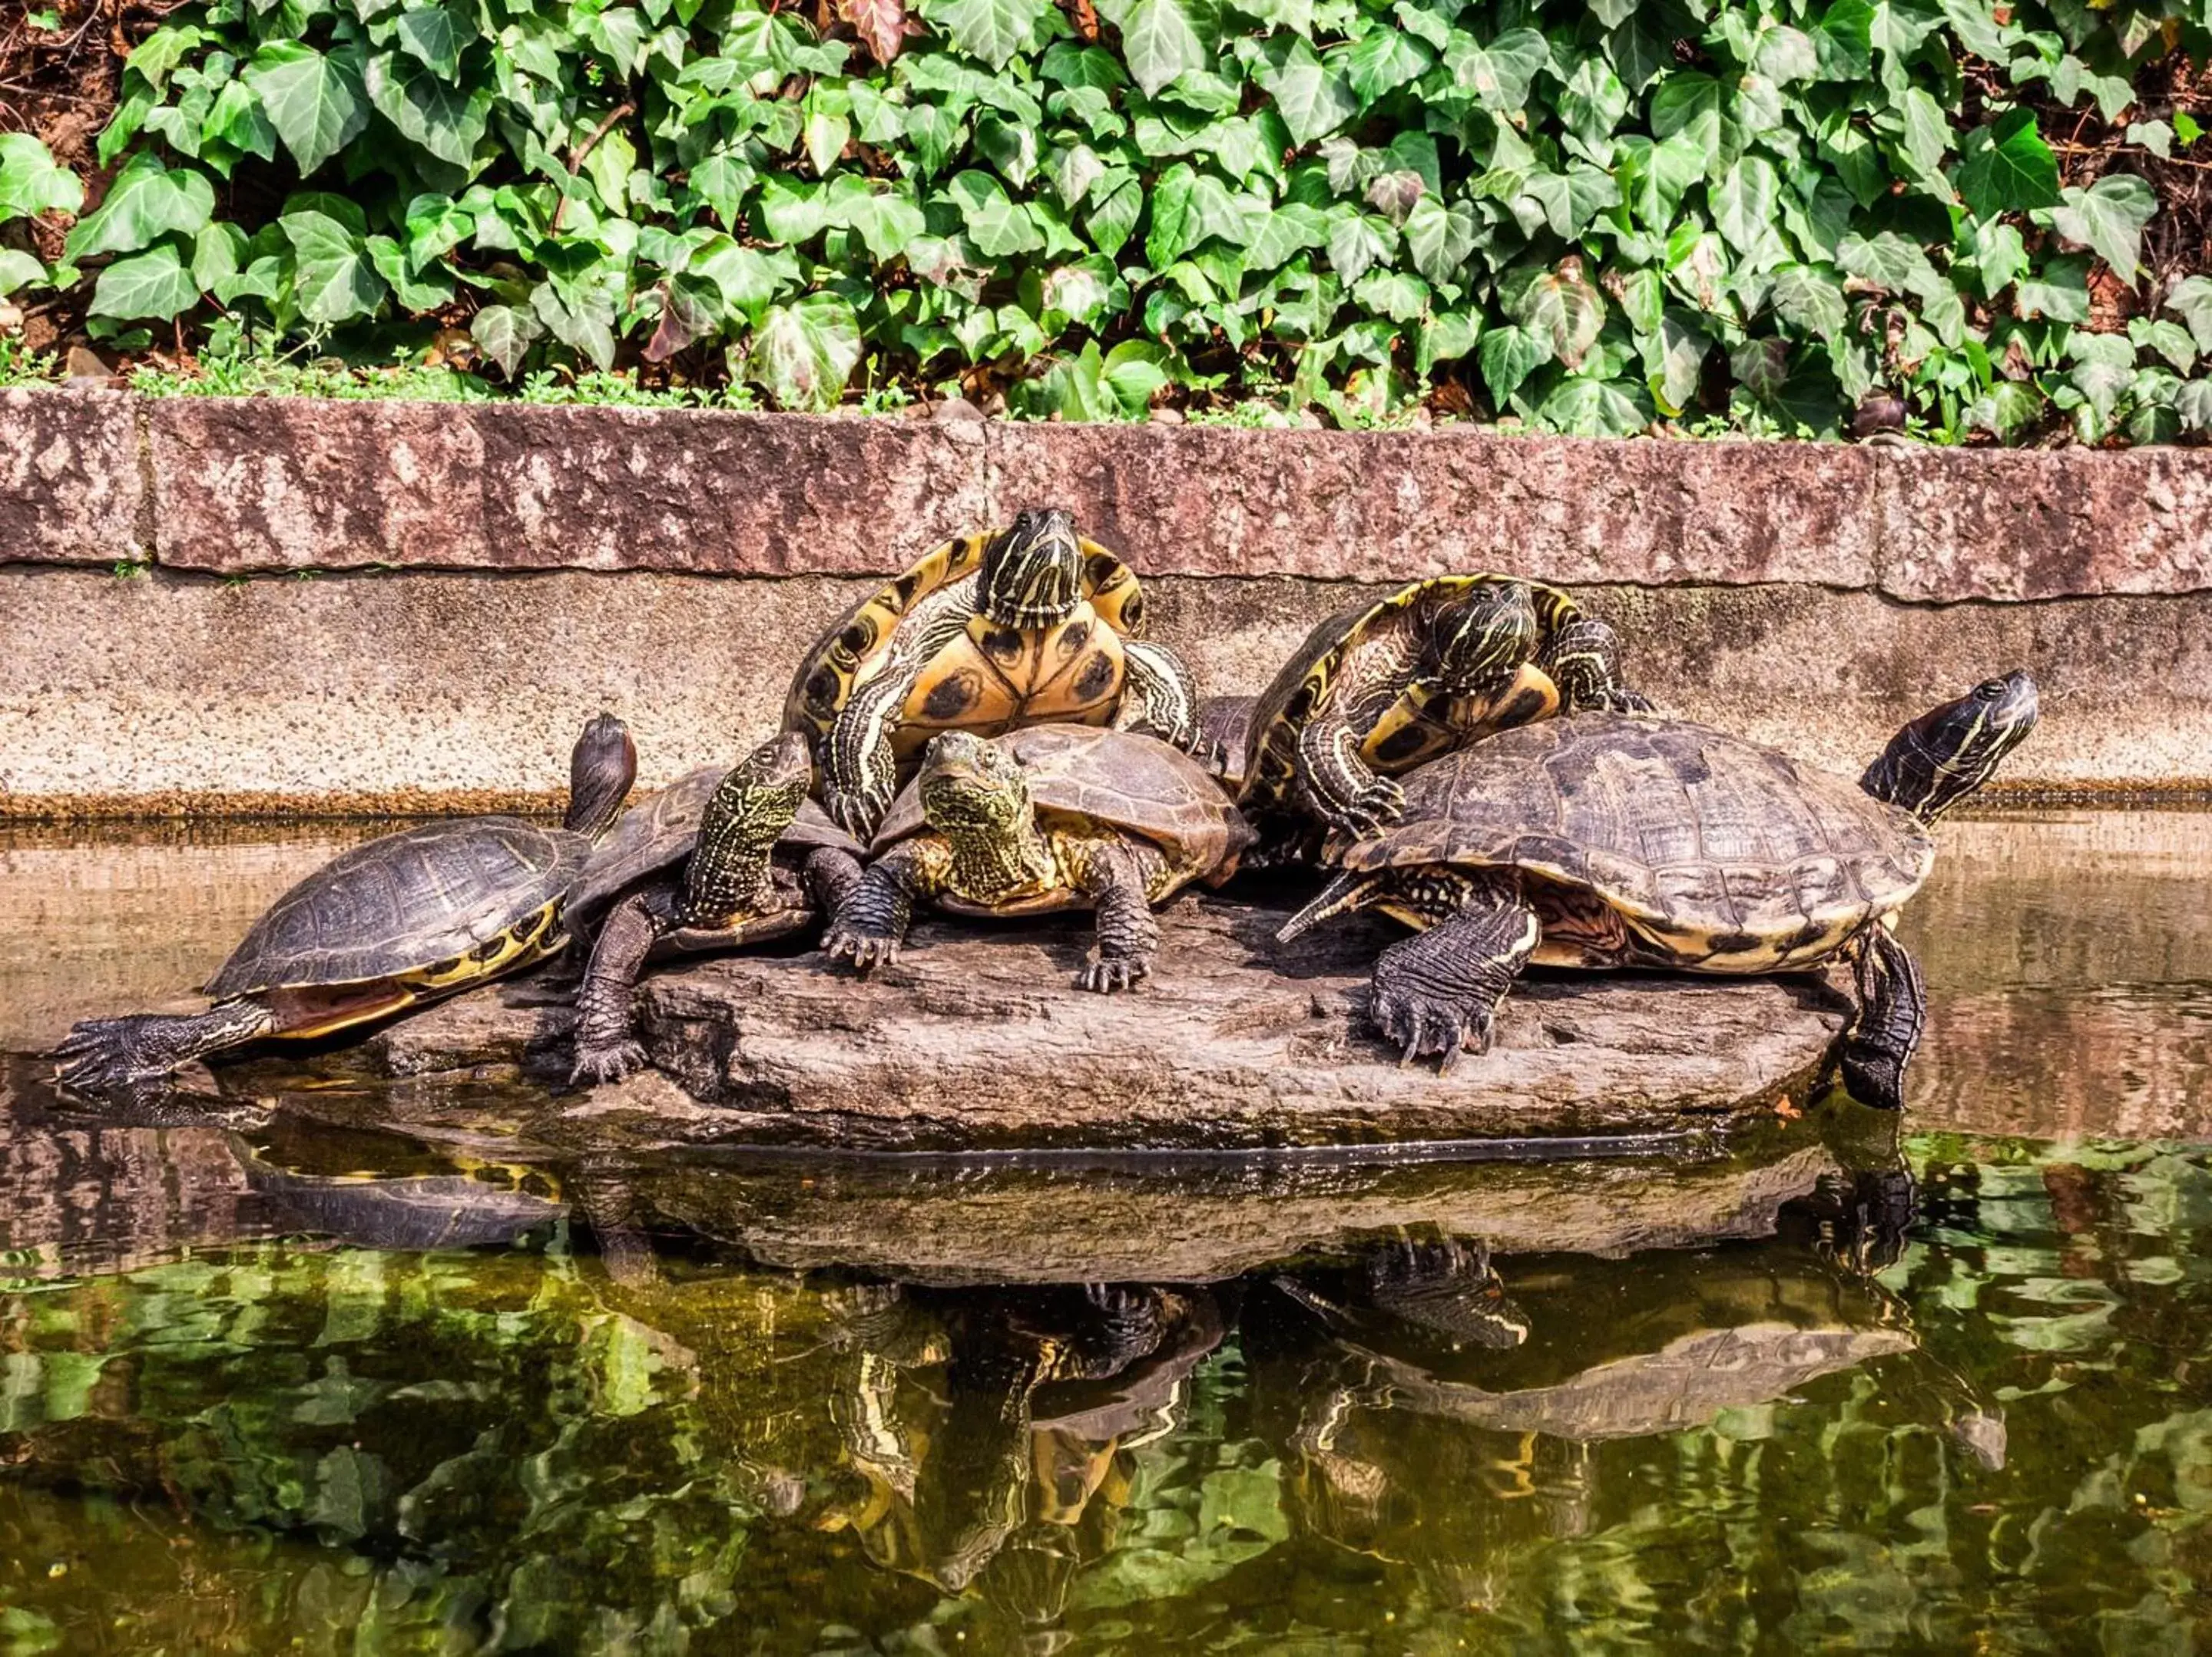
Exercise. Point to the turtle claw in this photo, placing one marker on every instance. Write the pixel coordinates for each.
(613, 1061)
(1378, 806)
(1112, 973)
(1621, 700)
(96, 1055)
(1427, 1029)
(865, 950)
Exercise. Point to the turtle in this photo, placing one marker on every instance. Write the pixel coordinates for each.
(402, 918)
(768, 861)
(1050, 816)
(989, 633)
(1625, 840)
(1384, 684)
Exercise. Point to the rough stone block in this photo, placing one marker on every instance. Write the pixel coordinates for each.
(271, 484)
(2038, 523)
(72, 490)
(1214, 500)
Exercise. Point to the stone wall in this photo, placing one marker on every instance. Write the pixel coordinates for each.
(217, 605)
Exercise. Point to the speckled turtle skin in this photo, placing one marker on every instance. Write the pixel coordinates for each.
(1325, 669)
(1716, 854)
(403, 902)
(1117, 779)
(658, 832)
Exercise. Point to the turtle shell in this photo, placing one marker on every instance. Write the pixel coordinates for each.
(404, 901)
(1719, 853)
(848, 654)
(1303, 685)
(660, 831)
(1122, 779)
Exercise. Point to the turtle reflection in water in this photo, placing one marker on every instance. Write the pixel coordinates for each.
(408, 918)
(1616, 839)
(1006, 1469)
(1392, 1409)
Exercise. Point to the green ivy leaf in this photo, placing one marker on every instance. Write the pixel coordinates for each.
(802, 353)
(1116, 205)
(316, 101)
(2007, 168)
(145, 202)
(2191, 301)
(1810, 300)
(2169, 339)
(1394, 294)
(2060, 291)
(2000, 254)
(18, 269)
(1500, 74)
(504, 335)
(32, 182)
(1358, 240)
(1314, 100)
(993, 30)
(1594, 408)
(1674, 360)
(1382, 60)
(998, 226)
(1440, 238)
(1286, 231)
(433, 36)
(2193, 403)
(2108, 217)
(151, 285)
(446, 119)
(1158, 41)
(1133, 371)
(1561, 305)
(334, 281)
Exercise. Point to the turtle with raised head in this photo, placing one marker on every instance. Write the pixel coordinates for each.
(1052, 817)
(1386, 684)
(760, 860)
(989, 633)
(404, 919)
(1613, 840)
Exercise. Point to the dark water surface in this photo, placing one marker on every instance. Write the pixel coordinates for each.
(273, 1385)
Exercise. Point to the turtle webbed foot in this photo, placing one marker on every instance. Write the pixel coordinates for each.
(99, 1053)
(601, 1062)
(1430, 1026)
(1116, 972)
(858, 813)
(1621, 700)
(1377, 806)
(866, 951)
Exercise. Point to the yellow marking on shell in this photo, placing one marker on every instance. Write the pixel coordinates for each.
(1046, 679)
(1420, 727)
(527, 939)
(813, 705)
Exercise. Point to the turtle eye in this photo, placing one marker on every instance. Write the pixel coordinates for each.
(1989, 690)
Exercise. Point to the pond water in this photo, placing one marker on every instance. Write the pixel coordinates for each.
(280, 1382)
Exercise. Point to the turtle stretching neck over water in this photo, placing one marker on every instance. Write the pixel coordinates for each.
(1624, 840)
(404, 918)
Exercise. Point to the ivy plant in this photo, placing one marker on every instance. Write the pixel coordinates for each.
(1588, 215)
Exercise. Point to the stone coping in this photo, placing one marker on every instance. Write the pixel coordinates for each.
(241, 486)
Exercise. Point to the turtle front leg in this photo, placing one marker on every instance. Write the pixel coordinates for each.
(1159, 697)
(1341, 789)
(830, 876)
(859, 770)
(1437, 994)
(607, 1049)
(107, 1053)
(1117, 875)
(870, 926)
(1878, 1044)
(1583, 659)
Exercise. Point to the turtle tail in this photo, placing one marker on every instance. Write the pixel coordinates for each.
(1352, 889)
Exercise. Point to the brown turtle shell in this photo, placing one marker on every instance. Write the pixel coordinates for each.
(404, 901)
(1122, 779)
(660, 831)
(1721, 852)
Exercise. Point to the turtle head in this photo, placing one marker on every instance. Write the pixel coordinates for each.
(1032, 572)
(600, 771)
(1482, 640)
(1950, 751)
(752, 806)
(972, 789)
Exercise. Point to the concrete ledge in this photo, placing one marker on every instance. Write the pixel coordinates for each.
(243, 487)
(72, 484)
